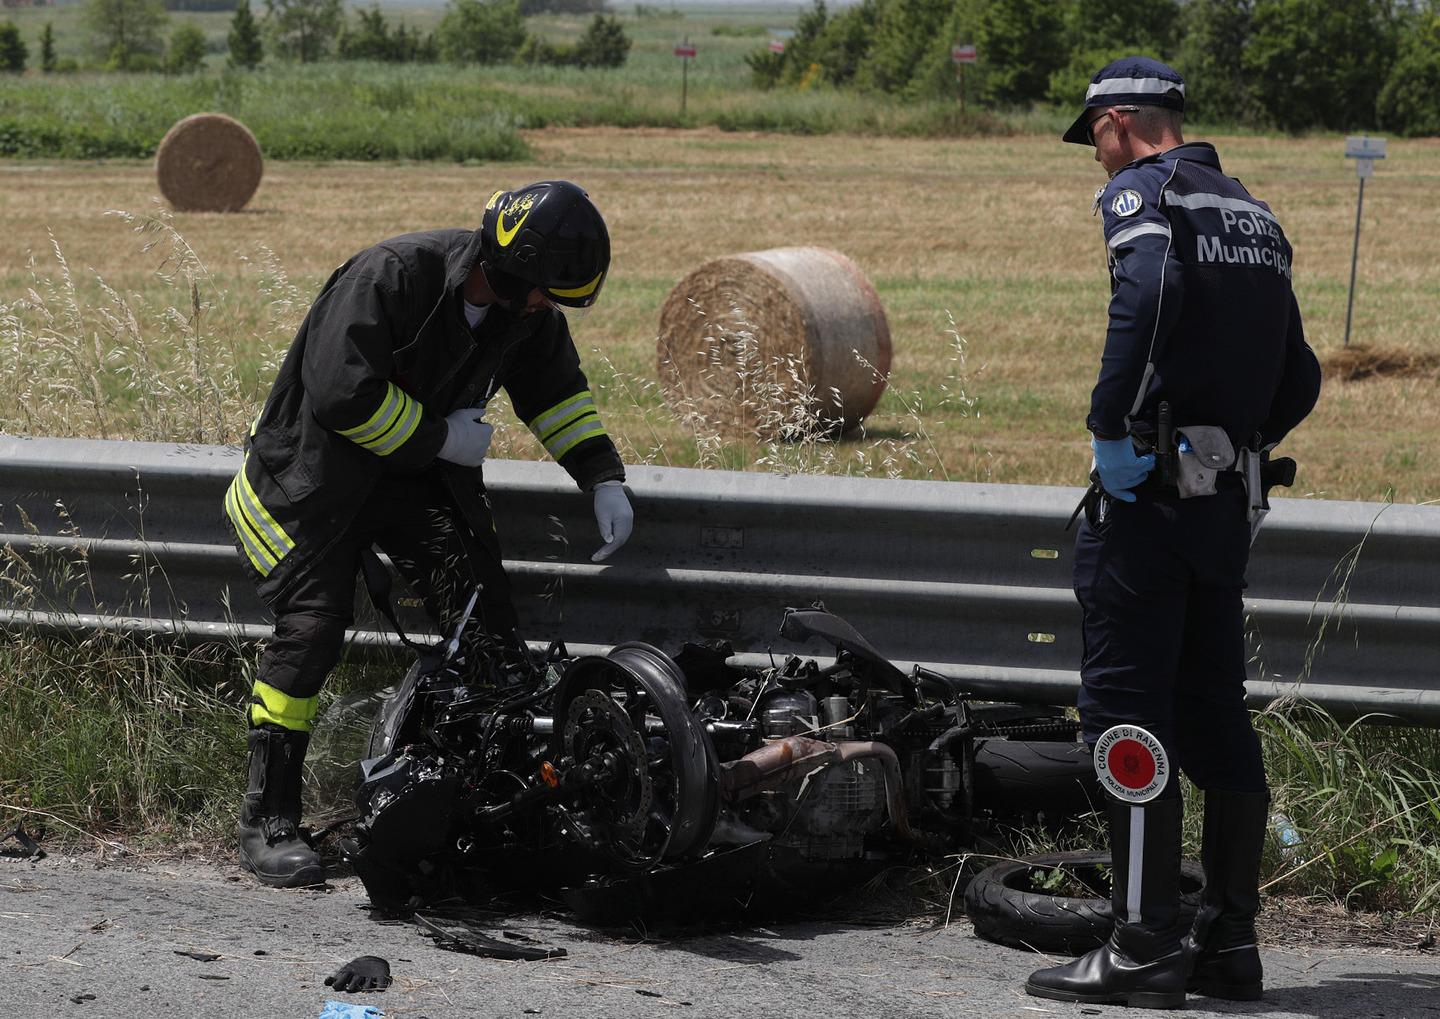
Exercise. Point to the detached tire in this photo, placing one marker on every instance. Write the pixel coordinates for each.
(1004, 907)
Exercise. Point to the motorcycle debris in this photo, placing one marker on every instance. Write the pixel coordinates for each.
(463, 937)
(32, 853)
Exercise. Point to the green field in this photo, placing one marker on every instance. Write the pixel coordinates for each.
(362, 110)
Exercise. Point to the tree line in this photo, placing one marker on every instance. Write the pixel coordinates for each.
(129, 35)
(1292, 64)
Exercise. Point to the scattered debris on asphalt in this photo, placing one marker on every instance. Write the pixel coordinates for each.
(31, 851)
(455, 934)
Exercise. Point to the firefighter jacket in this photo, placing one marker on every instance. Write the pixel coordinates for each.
(1201, 310)
(382, 356)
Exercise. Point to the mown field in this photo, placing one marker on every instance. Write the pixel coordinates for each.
(995, 236)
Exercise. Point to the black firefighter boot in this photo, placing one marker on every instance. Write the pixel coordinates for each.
(270, 843)
(1142, 964)
(1221, 946)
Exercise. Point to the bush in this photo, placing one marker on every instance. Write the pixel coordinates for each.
(373, 39)
(765, 67)
(186, 52)
(13, 50)
(903, 33)
(125, 34)
(604, 43)
(1409, 103)
(47, 48)
(1318, 63)
(832, 47)
(1128, 27)
(243, 41)
(303, 28)
(1021, 44)
(1212, 42)
(482, 31)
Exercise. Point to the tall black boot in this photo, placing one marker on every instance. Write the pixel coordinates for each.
(1142, 964)
(1221, 945)
(270, 843)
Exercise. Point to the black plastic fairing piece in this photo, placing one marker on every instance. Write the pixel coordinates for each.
(801, 624)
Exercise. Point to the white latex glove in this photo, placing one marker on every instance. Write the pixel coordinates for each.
(615, 517)
(467, 437)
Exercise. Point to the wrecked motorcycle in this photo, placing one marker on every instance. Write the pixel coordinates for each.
(637, 783)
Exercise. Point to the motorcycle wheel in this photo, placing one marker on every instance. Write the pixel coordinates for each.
(1006, 905)
(684, 773)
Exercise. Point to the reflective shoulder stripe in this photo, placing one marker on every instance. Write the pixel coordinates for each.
(393, 423)
(1138, 230)
(587, 428)
(264, 540)
(268, 704)
(1207, 200)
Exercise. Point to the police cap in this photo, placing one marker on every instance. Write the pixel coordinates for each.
(1129, 81)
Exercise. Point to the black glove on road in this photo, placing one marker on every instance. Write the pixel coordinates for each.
(367, 973)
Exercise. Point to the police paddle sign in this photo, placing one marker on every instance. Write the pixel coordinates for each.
(1132, 765)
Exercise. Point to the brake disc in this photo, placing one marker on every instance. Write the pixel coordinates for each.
(619, 806)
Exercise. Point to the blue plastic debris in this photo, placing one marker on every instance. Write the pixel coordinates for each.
(345, 1010)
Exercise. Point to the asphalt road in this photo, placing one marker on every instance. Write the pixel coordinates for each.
(80, 938)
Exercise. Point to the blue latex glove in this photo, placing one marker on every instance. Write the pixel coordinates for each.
(344, 1010)
(1120, 469)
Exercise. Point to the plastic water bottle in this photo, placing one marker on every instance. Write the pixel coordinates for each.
(1289, 836)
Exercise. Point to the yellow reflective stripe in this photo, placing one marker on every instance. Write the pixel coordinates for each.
(585, 291)
(404, 428)
(279, 708)
(381, 421)
(587, 428)
(562, 413)
(260, 517)
(259, 555)
(390, 426)
(583, 412)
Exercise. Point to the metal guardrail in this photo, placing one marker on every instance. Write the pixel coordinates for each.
(973, 580)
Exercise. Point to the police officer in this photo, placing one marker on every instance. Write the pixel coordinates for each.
(383, 389)
(1205, 369)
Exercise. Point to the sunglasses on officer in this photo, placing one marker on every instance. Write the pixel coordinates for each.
(1104, 115)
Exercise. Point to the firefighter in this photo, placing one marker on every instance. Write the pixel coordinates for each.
(1205, 368)
(383, 390)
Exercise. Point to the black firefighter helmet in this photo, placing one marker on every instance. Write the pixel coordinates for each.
(547, 235)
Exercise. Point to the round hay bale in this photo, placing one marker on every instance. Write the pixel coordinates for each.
(786, 343)
(208, 162)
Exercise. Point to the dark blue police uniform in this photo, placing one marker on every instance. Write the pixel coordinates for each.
(1205, 368)
(1202, 318)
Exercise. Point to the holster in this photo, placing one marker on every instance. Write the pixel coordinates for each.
(1197, 467)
